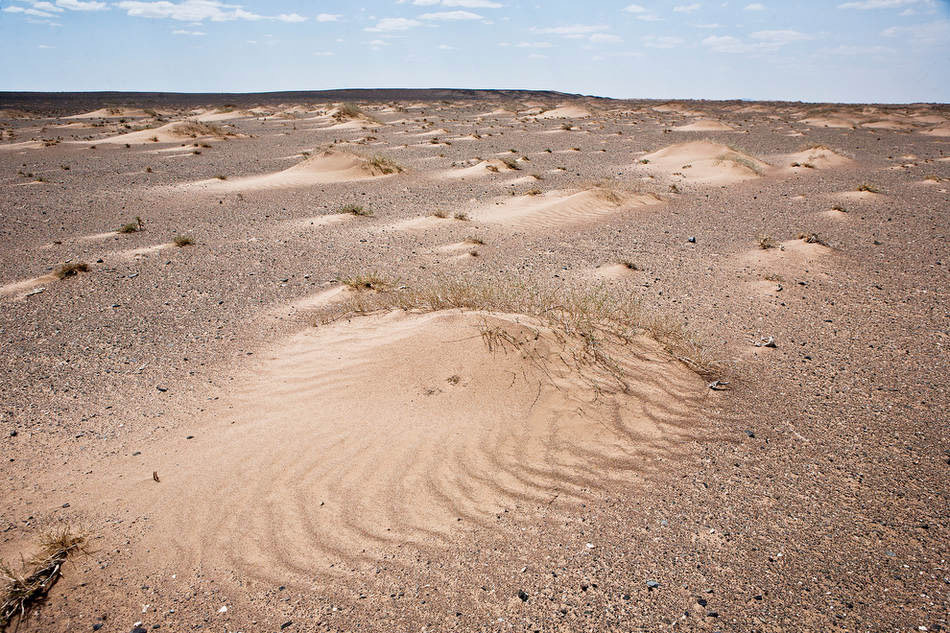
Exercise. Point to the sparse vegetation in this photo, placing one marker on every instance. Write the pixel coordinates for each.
(869, 188)
(196, 129)
(510, 163)
(133, 227)
(184, 240)
(839, 208)
(533, 192)
(629, 265)
(595, 325)
(384, 166)
(355, 209)
(28, 587)
(461, 215)
(766, 242)
(812, 238)
(441, 214)
(71, 270)
(369, 281)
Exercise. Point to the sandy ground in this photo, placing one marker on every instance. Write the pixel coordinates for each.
(242, 463)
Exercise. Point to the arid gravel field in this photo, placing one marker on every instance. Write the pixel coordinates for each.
(477, 361)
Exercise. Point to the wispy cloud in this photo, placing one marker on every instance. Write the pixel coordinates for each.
(450, 15)
(465, 4)
(661, 41)
(184, 32)
(641, 13)
(575, 31)
(328, 17)
(198, 11)
(886, 4)
(755, 6)
(687, 8)
(393, 24)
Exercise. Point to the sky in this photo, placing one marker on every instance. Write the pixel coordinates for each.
(881, 51)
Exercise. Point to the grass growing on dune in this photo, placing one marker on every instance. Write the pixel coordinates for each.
(26, 588)
(71, 270)
(595, 325)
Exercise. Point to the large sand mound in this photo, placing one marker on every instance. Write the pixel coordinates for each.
(478, 170)
(705, 162)
(114, 113)
(818, 157)
(565, 112)
(404, 430)
(169, 133)
(328, 167)
(558, 208)
(705, 125)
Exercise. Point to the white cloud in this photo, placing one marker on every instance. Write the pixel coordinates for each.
(725, 44)
(708, 26)
(605, 38)
(324, 53)
(28, 11)
(661, 41)
(466, 4)
(446, 47)
(572, 30)
(687, 8)
(450, 15)
(937, 32)
(197, 11)
(634, 8)
(184, 32)
(537, 56)
(885, 4)
(45, 46)
(393, 24)
(641, 13)
(755, 6)
(328, 17)
(532, 45)
(780, 37)
(76, 5)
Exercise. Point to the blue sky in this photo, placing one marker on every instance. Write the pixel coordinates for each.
(811, 50)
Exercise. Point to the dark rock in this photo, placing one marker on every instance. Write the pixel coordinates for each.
(652, 584)
(286, 624)
(522, 595)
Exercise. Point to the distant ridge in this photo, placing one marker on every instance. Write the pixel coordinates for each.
(69, 102)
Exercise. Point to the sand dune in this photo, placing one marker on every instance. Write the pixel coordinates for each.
(113, 113)
(940, 130)
(705, 162)
(558, 208)
(565, 112)
(705, 125)
(169, 133)
(818, 157)
(19, 289)
(403, 429)
(328, 167)
(478, 170)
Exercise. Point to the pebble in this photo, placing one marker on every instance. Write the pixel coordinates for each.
(691, 240)
(522, 595)
(652, 584)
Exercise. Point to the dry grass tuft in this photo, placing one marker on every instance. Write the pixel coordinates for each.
(594, 325)
(195, 129)
(766, 242)
(369, 281)
(812, 238)
(184, 240)
(133, 227)
(27, 588)
(384, 166)
(355, 209)
(868, 188)
(71, 270)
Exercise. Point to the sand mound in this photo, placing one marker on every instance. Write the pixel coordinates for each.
(328, 167)
(941, 130)
(169, 133)
(114, 113)
(888, 124)
(818, 157)
(478, 170)
(559, 208)
(565, 112)
(11, 147)
(404, 430)
(615, 271)
(705, 125)
(20, 289)
(705, 162)
(223, 115)
(832, 122)
(792, 256)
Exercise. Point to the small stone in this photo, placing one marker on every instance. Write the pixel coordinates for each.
(522, 595)
(691, 240)
(750, 433)
(223, 609)
(652, 584)
(97, 626)
(286, 624)
(162, 389)
(13, 433)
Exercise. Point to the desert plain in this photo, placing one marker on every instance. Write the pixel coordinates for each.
(476, 361)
